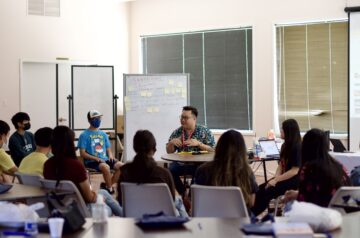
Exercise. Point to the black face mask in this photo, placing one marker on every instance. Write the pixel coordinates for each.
(27, 126)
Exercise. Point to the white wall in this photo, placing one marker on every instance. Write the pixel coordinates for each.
(88, 30)
(166, 16)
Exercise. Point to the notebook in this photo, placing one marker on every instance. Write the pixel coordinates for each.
(270, 148)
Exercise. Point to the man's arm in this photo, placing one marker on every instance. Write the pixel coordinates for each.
(171, 146)
(16, 149)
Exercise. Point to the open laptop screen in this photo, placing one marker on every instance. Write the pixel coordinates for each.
(270, 148)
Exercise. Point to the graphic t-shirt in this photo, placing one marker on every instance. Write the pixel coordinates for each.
(94, 143)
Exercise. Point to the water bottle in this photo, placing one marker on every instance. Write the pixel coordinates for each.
(31, 227)
(256, 149)
(98, 210)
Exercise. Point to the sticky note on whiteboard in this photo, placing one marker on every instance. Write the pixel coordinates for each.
(179, 84)
(156, 109)
(149, 94)
(143, 93)
(149, 109)
(166, 91)
(171, 82)
(130, 88)
(183, 95)
(178, 90)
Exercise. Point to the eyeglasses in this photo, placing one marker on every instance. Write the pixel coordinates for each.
(185, 118)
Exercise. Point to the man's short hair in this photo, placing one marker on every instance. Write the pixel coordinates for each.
(43, 136)
(19, 117)
(193, 110)
(92, 114)
(4, 128)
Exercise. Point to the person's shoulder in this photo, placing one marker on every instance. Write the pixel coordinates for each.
(2, 152)
(205, 167)
(29, 133)
(14, 136)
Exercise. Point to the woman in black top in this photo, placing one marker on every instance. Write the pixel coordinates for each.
(286, 176)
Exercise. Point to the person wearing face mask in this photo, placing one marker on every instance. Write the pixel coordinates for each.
(21, 142)
(95, 148)
(34, 162)
(7, 166)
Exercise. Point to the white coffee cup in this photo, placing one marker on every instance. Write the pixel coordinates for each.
(56, 226)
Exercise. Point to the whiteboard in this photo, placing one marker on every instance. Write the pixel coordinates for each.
(92, 88)
(354, 81)
(153, 102)
(38, 93)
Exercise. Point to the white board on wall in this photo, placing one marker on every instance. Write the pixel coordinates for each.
(153, 102)
(38, 93)
(354, 81)
(92, 88)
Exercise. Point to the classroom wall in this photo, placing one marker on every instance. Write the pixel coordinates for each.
(168, 16)
(88, 30)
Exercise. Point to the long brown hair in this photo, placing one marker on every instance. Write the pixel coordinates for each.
(231, 167)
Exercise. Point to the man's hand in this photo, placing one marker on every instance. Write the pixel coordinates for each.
(192, 142)
(176, 142)
(111, 158)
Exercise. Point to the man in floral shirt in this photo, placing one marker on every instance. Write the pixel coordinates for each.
(190, 137)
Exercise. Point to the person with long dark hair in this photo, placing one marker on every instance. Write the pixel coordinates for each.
(143, 169)
(229, 167)
(64, 165)
(320, 174)
(286, 176)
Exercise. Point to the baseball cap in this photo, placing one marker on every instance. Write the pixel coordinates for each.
(94, 113)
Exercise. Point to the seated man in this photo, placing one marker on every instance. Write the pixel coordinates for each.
(34, 162)
(95, 148)
(188, 137)
(7, 165)
(21, 142)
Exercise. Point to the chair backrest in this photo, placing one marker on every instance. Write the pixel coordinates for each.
(214, 201)
(28, 179)
(341, 193)
(67, 185)
(139, 199)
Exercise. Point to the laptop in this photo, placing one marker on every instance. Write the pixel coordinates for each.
(338, 145)
(270, 148)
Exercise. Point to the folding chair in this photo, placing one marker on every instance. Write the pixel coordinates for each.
(139, 199)
(214, 201)
(28, 179)
(66, 185)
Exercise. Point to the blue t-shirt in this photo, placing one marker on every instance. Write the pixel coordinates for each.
(95, 143)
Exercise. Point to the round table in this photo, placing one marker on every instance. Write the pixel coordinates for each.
(188, 158)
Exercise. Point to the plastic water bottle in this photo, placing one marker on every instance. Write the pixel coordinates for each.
(256, 149)
(98, 210)
(31, 227)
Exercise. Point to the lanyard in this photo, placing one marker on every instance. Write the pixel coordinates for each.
(183, 137)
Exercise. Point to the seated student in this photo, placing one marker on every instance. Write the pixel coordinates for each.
(22, 141)
(320, 175)
(95, 148)
(64, 165)
(143, 169)
(286, 176)
(188, 137)
(230, 167)
(34, 162)
(7, 165)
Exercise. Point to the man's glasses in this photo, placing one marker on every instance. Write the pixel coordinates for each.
(185, 118)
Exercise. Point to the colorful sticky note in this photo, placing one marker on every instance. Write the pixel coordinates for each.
(171, 82)
(143, 93)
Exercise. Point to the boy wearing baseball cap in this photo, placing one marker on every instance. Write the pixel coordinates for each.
(95, 148)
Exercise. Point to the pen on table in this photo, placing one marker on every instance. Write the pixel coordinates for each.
(199, 225)
(16, 233)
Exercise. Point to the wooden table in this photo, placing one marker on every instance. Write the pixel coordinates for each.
(20, 191)
(201, 227)
(188, 158)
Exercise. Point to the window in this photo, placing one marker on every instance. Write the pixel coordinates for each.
(220, 68)
(312, 75)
